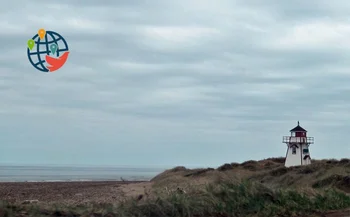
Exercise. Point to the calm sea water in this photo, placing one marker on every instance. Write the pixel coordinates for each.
(60, 173)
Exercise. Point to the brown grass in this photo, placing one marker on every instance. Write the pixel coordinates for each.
(269, 171)
(225, 191)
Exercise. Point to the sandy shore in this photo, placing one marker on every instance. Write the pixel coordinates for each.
(70, 192)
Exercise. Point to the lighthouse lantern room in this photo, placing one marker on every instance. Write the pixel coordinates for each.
(298, 147)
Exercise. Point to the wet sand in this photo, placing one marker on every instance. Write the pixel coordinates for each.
(70, 193)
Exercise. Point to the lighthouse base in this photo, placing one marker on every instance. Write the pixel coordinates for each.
(289, 164)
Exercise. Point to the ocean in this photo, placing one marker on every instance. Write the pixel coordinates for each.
(75, 173)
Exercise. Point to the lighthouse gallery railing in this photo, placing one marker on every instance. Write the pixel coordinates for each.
(293, 139)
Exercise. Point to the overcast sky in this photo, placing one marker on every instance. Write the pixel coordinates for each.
(185, 82)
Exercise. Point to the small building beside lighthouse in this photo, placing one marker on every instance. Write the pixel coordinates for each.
(298, 143)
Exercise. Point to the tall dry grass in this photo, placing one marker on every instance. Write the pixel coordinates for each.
(227, 199)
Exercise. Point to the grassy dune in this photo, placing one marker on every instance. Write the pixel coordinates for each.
(253, 188)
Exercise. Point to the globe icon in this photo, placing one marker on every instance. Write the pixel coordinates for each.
(42, 50)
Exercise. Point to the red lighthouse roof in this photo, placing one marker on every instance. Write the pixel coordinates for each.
(298, 129)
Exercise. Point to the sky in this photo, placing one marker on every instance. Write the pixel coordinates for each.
(165, 83)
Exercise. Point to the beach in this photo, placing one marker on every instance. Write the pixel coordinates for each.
(72, 185)
(70, 193)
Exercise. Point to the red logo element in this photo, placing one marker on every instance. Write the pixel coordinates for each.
(56, 63)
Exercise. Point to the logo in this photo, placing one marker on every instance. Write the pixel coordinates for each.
(47, 51)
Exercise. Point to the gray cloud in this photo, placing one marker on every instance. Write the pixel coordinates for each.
(188, 82)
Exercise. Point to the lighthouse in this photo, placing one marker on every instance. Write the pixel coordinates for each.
(298, 143)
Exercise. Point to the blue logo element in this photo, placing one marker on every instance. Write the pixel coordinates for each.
(47, 51)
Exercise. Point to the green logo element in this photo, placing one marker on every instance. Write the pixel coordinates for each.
(31, 44)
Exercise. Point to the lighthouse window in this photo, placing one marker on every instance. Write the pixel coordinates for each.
(294, 150)
(305, 151)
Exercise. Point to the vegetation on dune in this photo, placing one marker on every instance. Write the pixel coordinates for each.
(225, 199)
(252, 188)
(245, 199)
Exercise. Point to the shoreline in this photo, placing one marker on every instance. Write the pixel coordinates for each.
(60, 173)
(60, 181)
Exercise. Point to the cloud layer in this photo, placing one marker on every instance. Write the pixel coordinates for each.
(174, 83)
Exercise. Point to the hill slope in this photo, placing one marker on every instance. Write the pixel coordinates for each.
(271, 172)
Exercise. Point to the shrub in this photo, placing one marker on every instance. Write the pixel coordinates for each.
(270, 165)
(178, 169)
(225, 167)
(235, 165)
(198, 172)
(332, 161)
(344, 161)
(331, 180)
(279, 171)
(249, 162)
(307, 169)
(250, 165)
(279, 160)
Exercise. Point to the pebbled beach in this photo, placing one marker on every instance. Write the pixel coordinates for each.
(70, 193)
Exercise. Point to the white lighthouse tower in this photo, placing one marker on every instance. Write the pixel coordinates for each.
(298, 147)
